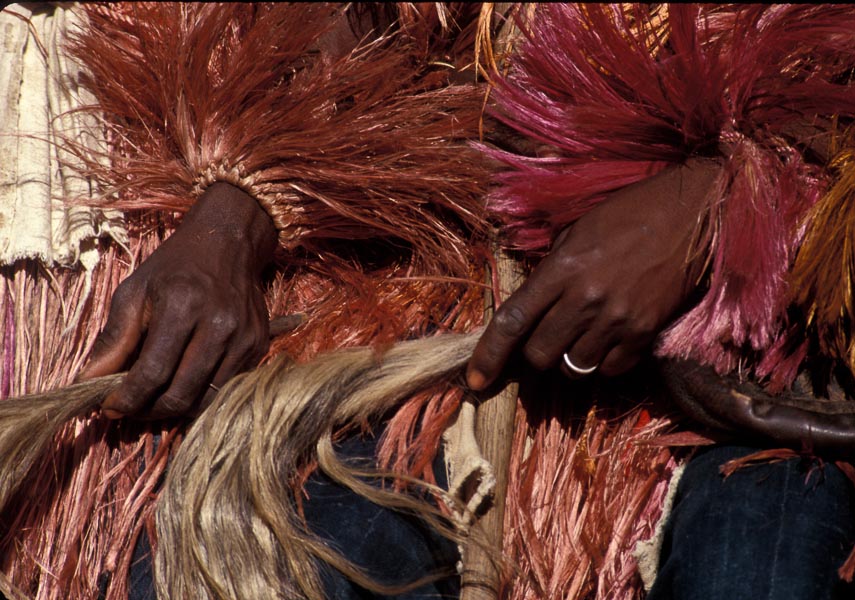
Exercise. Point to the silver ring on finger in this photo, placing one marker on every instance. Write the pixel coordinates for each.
(578, 370)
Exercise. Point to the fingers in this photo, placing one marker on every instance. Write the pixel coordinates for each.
(208, 365)
(509, 326)
(570, 323)
(162, 350)
(190, 343)
(121, 334)
(590, 332)
(585, 354)
(200, 361)
(232, 365)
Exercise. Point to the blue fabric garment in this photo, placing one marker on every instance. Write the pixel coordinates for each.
(768, 532)
(392, 547)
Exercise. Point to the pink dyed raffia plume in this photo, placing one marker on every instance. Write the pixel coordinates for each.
(618, 94)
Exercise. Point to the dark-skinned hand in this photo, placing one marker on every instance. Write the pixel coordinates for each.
(610, 284)
(194, 310)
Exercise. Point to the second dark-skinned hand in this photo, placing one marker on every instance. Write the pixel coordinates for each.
(194, 310)
(609, 285)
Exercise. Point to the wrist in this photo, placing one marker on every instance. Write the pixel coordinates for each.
(227, 212)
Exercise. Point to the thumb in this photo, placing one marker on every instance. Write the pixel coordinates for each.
(119, 338)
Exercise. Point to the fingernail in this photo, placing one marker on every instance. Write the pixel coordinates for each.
(111, 414)
(475, 379)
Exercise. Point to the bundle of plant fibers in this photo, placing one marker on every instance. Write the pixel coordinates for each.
(30, 422)
(334, 144)
(93, 490)
(227, 522)
(619, 96)
(359, 155)
(824, 269)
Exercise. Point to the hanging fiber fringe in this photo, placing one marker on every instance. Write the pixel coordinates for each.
(228, 523)
(366, 144)
(363, 154)
(614, 94)
(351, 146)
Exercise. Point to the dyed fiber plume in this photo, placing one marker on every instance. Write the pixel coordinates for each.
(618, 93)
(361, 157)
(824, 270)
(355, 153)
(335, 144)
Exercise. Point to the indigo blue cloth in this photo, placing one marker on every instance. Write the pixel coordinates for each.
(768, 532)
(393, 548)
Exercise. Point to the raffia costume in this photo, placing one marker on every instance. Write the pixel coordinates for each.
(349, 152)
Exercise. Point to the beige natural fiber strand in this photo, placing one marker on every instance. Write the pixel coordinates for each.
(227, 525)
(30, 423)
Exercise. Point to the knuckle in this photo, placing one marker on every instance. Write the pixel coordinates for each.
(124, 293)
(148, 374)
(244, 349)
(537, 357)
(123, 301)
(485, 357)
(171, 404)
(566, 261)
(593, 295)
(618, 313)
(224, 323)
(108, 337)
(510, 320)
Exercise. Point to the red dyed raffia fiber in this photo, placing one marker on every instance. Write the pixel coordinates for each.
(77, 514)
(620, 94)
(365, 154)
(583, 491)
